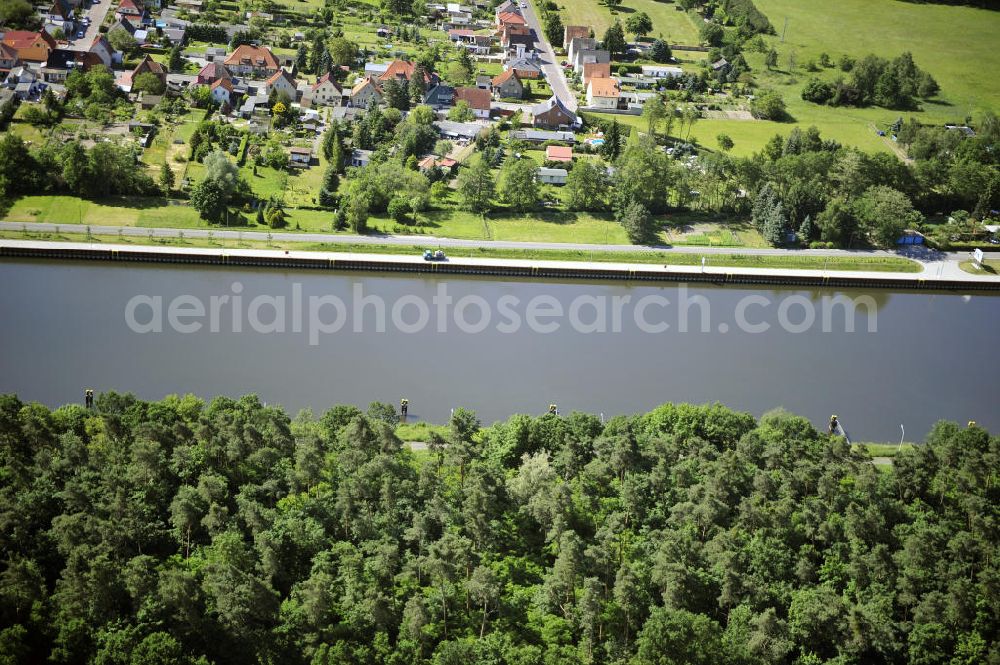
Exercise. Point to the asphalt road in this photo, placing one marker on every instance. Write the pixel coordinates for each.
(935, 263)
(550, 64)
(96, 12)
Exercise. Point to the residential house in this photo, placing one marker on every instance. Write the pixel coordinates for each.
(131, 9)
(176, 34)
(595, 70)
(580, 44)
(484, 82)
(558, 153)
(122, 25)
(477, 44)
(603, 93)
(506, 7)
(249, 60)
(148, 65)
(141, 36)
(61, 62)
(661, 71)
(462, 36)
(8, 58)
(222, 91)
(552, 176)
(360, 158)
(326, 92)
(467, 131)
(526, 68)
(541, 136)
(101, 47)
(256, 106)
(508, 85)
(375, 69)
(509, 18)
(20, 75)
(552, 114)
(401, 70)
(446, 164)
(586, 56)
(8, 102)
(281, 82)
(571, 32)
(440, 96)
(478, 100)
(519, 43)
(59, 16)
(365, 92)
(30, 46)
(212, 72)
(300, 156)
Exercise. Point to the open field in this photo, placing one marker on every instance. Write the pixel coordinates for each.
(735, 260)
(677, 27)
(955, 44)
(569, 227)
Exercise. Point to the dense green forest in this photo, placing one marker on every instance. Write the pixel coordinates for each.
(228, 532)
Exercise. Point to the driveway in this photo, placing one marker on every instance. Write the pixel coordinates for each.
(96, 12)
(550, 64)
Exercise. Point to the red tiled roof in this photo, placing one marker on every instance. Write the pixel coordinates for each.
(252, 55)
(476, 98)
(502, 78)
(604, 87)
(401, 69)
(281, 74)
(19, 39)
(559, 153)
(222, 83)
(325, 78)
(511, 17)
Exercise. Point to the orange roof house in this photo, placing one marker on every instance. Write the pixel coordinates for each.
(571, 32)
(30, 46)
(248, 59)
(558, 153)
(595, 70)
(401, 70)
(477, 99)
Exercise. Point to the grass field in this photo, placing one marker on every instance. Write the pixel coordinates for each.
(677, 27)
(884, 449)
(735, 260)
(990, 267)
(956, 44)
(555, 226)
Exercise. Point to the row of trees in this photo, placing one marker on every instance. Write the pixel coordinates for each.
(228, 532)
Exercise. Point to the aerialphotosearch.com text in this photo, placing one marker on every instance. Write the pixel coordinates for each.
(672, 309)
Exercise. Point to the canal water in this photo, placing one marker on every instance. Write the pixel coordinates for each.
(311, 339)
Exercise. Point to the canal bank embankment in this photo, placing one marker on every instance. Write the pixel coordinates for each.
(493, 267)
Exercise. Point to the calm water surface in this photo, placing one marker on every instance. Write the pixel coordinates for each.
(934, 356)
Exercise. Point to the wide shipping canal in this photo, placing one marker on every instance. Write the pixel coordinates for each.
(311, 339)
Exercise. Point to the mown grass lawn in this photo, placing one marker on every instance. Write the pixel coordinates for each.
(956, 44)
(677, 27)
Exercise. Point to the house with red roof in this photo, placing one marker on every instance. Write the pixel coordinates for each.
(8, 58)
(132, 9)
(478, 100)
(325, 92)
(282, 82)
(401, 70)
(558, 153)
(249, 60)
(212, 72)
(508, 85)
(509, 18)
(30, 46)
(222, 92)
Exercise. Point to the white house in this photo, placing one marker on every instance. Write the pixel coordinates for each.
(552, 176)
(360, 158)
(603, 93)
(222, 91)
(661, 71)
